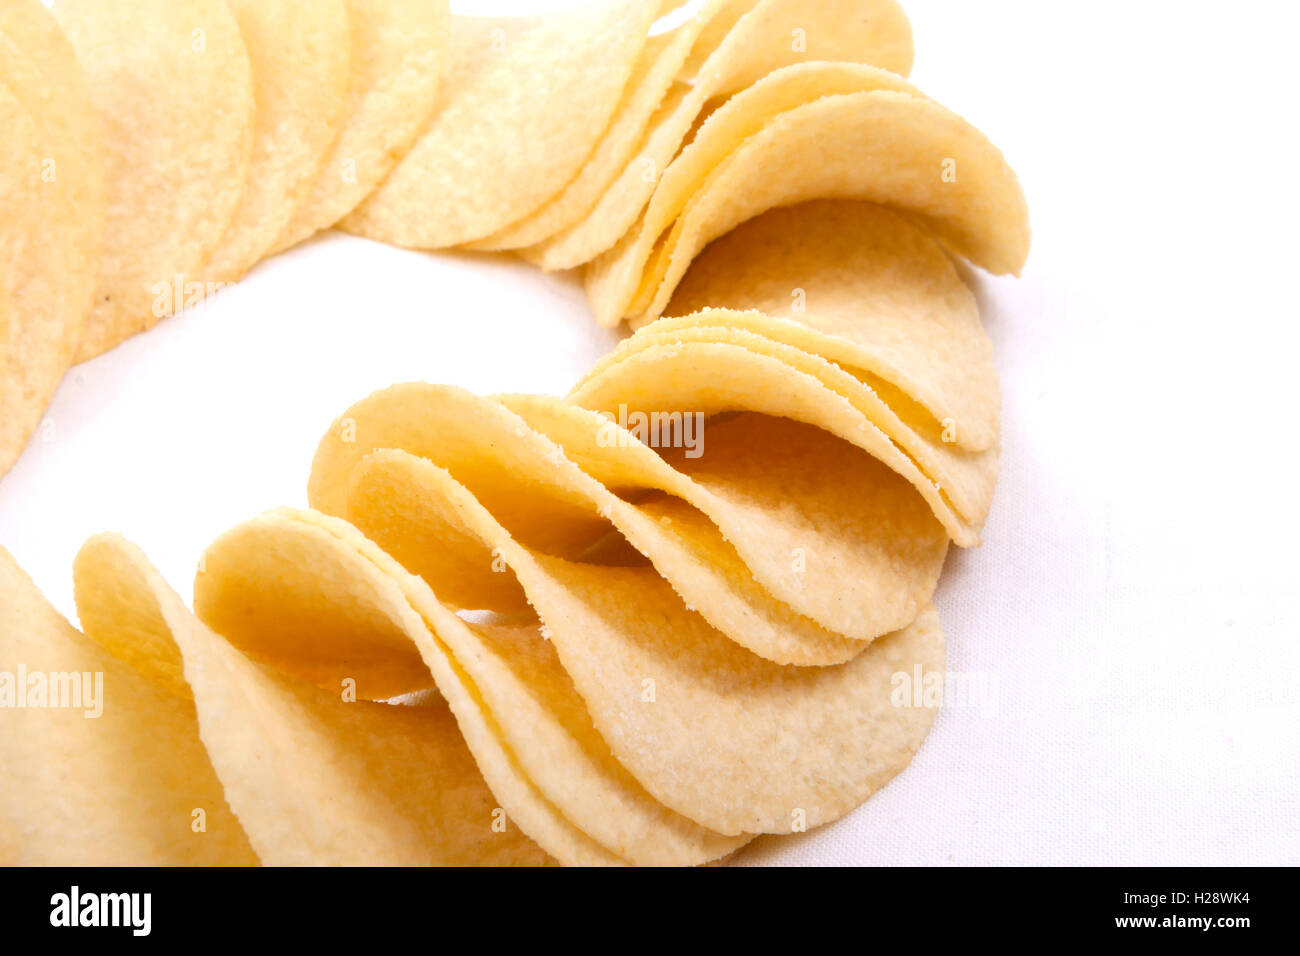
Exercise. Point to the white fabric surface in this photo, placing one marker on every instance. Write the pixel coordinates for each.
(1133, 603)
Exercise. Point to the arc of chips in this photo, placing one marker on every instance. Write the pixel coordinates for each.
(635, 655)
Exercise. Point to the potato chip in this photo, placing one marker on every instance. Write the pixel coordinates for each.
(825, 542)
(34, 252)
(397, 53)
(380, 619)
(499, 146)
(59, 100)
(638, 625)
(574, 511)
(723, 737)
(60, 210)
(520, 714)
(299, 54)
(544, 503)
(836, 30)
(712, 377)
(865, 288)
(930, 164)
(548, 503)
(650, 83)
(774, 36)
(315, 779)
(171, 83)
(317, 641)
(721, 133)
(102, 767)
(966, 479)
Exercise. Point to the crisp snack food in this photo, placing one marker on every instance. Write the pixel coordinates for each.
(171, 84)
(637, 625)
(312, 777)
(515, 704)
(774, 35)
(33, 330)
(839, 145)
(869, 290)
(121, 787)
(56, 207)
(720, 51)
(298, 51)
(396, 61)
(449, 189)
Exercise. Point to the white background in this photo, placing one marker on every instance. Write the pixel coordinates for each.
(1134, 598)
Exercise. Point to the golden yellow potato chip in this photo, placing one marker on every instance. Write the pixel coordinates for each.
(831, 30)
(710, 377)
(55, 91)
(102, 766)
(638, 625)
(651, 81)
(966, 479)
(17, 153)
(118, 612)
(59, 216)
(317, 641)
(517, 708)
(864, 287)
(397, 53)
(380, 619)
(315, 778)
(827, 541)
(772, 37)
(543, 502)
(299, 54)
(171, 84)
(35, 240)
(500, 145)
(554, 506)
(729, 740)
(547, 502)
(720, 134)
(930, 164)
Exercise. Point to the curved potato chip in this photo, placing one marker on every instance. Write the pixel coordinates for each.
(171, 84)
(881, 146)
(723, 737)
(397, 53)
(713, 377)
(499, 147)
(532, 701)
(41, 334)
(35, 240)
(542, 502)
(117, 613)
(831, 30)
(558, 509)
(673, 647)
(315, 779)
(751, 480)
(298, 51)
(966, 479)
(102, 767)
(59, 101)
(722, 133)
(380, 620)
(350, 637)
(862, 286)
(523, 721)
(497, 450)
(766, 40)
(651, 80)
